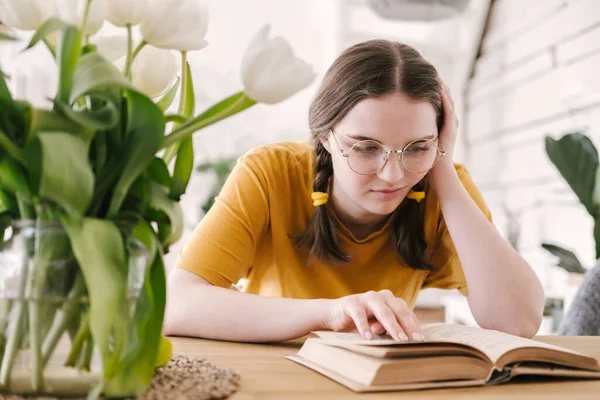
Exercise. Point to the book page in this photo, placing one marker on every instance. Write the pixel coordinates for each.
(356, 338)
(493, 343)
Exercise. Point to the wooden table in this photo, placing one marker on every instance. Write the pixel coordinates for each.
(266, 374)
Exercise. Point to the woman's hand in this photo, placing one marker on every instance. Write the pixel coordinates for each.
(448, 132)
(373, 313)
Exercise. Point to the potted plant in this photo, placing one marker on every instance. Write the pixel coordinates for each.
(90, 189)
(576, 158)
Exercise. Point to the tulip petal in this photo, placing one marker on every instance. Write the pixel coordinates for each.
(71, 11)
(176, 24)
(271, 72)
(154, 71)
(120, 13)
(26, 15)
(111, 47)
(257, 44)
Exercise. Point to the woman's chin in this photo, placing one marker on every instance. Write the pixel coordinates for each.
(383, 207)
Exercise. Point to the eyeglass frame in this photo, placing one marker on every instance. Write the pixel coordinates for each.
(441, 153)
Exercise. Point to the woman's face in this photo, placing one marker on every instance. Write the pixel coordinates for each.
(394, 121)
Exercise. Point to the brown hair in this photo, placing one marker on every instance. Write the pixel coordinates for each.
(374, 68)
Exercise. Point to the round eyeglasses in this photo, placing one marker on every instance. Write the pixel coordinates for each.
(368, 157)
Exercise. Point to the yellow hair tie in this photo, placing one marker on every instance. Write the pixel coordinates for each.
(418, 196)
(319, 198)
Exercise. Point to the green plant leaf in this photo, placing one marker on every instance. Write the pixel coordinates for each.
(137, 367)
(12, 178)
(597, 235)
(49, 26)
(15, 119)
(52, 121)
(179, 119)
(184, 164)
(7, 203)
(100, 252)
(67, 55)
(160, 201)
(102, 118)
(4, 92)
(566, 259)
(144, 133)
(95, 73)
(576, 158)
(159, 173)
(51, 155)
(224, 109)
(165, 102)
(8, 37)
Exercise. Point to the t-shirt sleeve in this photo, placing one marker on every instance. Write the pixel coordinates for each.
(223, 245)
(449, 274)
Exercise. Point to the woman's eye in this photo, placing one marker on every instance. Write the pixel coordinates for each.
(367, 149)
(418, 149)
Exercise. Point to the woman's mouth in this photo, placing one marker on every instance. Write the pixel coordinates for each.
(388, 193)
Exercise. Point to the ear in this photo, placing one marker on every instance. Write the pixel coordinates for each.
(326, 143)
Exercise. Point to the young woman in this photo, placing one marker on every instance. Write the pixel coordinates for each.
(344, 232)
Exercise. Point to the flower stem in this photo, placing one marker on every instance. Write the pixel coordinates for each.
(12, 149)
(82, 335)
(138, 48)
(63, 318)
(86, 14)
(87, 356)
(16, 325)
(127, 70)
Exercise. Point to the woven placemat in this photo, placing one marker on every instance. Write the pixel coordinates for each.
(182, 378)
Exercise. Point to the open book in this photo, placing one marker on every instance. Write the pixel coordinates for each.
(451, 356)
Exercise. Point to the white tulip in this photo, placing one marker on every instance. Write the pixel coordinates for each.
(176, 24)
(111, 47)
(270, 71)
(26, 15)
(132, 12)
(71, 11)
(154, 71)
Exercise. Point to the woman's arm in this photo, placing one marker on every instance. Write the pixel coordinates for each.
(196, 308)
(505, 294)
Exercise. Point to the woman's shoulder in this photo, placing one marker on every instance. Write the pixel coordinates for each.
(281, 156)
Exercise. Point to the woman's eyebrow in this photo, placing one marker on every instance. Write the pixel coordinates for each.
(361, 137)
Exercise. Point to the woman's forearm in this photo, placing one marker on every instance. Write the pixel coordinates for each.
(504, 292)
(202, 310)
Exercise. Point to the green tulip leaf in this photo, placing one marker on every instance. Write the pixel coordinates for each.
(50, 156)
(137, 367)
(94, 73)
(184, 164)
(105, 117)
(8, 203)
(100, 252)
(160, 202)
(159, 173)
(51, 25)
(67, 56)
(12, 177)
(165, 102)
(144, 133)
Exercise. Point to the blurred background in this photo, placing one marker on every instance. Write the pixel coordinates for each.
(519, 71)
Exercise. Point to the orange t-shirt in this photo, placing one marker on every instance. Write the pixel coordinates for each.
(246, 234)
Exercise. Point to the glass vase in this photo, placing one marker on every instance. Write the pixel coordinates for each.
(46, 343)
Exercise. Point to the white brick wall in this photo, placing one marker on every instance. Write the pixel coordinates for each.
(537, 74)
